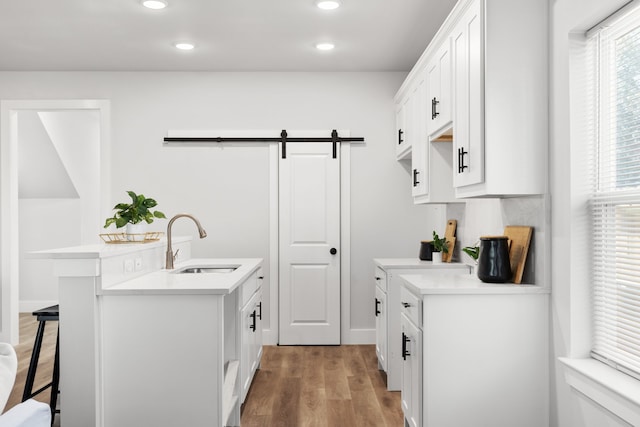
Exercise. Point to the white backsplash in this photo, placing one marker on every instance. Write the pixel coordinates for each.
(482, 217)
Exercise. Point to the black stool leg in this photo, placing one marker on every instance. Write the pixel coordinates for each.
(35, 355)
(56, 379)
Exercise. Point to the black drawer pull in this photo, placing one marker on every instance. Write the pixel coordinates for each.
(405, 304)
(405, 350)
(253, 325)
(434, 109)
(377, 305)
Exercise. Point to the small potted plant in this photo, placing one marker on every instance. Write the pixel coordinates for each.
(135, 215)
(440, 246)
(474, 253)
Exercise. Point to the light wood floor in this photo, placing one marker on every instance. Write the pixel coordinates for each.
(296, 385)
(320, 386)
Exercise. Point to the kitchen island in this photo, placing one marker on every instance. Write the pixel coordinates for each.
(141, 345)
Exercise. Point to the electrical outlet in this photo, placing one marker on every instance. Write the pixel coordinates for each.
(138, 263)
(128, 266)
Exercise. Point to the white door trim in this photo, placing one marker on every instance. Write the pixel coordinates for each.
(9, 250)
(271, 334)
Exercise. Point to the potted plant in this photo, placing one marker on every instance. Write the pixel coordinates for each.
(134, 215)
(440, 246)
(474, 253)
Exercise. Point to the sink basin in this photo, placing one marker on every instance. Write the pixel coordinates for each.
(206, 269)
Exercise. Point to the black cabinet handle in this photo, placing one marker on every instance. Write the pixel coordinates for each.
(333, 251)
(400, 133)
(415, 177)
(405, 304)
(405, 350)
(253, 325)
(260, 307)
(434, 108)
(378, 278)
(461, 165)
(377, 305)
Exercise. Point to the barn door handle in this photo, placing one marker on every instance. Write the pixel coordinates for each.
(333, 251)
(377, 305)
(260, 314)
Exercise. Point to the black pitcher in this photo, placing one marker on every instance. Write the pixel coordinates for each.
(493, 264)
(426, 250)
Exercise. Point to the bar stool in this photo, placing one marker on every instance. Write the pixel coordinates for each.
(44, 315)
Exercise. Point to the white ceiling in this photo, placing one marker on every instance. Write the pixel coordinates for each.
(230, 35)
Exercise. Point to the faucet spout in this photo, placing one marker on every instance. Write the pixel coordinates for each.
(170, 256)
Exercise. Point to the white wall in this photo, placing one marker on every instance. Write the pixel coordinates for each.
(227, 188)
(570, 322)
(58, 179)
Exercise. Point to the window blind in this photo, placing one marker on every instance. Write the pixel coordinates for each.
(614, 93)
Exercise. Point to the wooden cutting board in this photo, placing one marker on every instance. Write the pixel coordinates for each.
(520, 239)
(450, 236)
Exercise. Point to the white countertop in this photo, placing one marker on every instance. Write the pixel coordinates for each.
(439, 283)
(386, 263)
(102, 250)
(170, 282)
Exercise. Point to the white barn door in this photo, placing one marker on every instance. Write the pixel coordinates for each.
(309, 224)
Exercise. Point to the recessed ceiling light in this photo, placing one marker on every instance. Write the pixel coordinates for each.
(154, 4)
(184, 46)
(325, 46)
(328, 4)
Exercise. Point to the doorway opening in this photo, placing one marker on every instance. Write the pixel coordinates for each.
(53, 189)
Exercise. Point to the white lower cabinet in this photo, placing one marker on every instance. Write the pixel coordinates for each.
(387, 308)
(381, 327)
(475, 354)
(411, 393)
(251, 337)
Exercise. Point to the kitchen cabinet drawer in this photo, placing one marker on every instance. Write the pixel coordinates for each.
(381, 278)
(411, 306)
(248, 288)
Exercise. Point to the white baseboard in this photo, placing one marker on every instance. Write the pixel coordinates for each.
(29, 306)
(352, 337)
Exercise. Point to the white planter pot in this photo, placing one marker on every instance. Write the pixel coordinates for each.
(136, 232)
(437, 257)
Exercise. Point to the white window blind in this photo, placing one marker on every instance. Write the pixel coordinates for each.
(614, 64)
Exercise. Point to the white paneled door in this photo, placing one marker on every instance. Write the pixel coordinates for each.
(309, 224)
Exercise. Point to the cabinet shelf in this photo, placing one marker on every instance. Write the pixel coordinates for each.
(229, 397)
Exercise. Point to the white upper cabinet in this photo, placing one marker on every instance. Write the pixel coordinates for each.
(440, 94)
(403, 121)
(500, 127)
(419, 152)
(486, 111)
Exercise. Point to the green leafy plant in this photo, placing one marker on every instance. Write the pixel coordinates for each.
(472, 251)
(132, 213)
(440, 245)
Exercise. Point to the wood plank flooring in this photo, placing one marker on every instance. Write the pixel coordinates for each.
(320, 386)
(296, 385)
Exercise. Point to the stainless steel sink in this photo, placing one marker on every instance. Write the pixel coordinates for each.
(207, 269)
